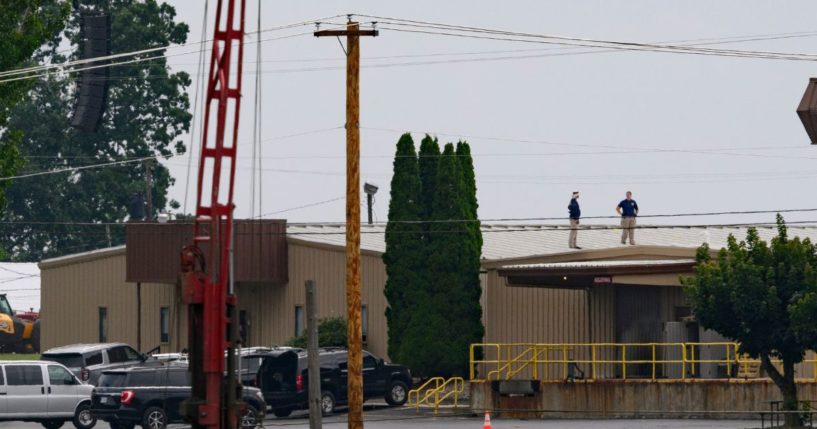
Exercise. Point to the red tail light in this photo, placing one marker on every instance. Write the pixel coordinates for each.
(299, 382)
(126, 397)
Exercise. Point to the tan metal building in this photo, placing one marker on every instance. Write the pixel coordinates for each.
(535, 289)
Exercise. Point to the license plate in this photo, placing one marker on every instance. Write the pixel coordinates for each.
(105, 400)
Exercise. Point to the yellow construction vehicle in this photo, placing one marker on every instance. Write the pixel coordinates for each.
(19, 333)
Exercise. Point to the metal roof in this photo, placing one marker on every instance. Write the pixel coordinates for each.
(519, 241)
(604, 264)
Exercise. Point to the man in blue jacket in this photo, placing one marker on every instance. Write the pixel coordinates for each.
(575, 214)
(628, 209)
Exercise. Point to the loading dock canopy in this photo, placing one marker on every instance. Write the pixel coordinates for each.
(588, 273)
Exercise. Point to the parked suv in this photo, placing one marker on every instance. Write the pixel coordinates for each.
(43, 392)
(87, 361)
(283, 377)
(151, 396)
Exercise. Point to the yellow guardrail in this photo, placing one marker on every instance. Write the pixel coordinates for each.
(434, 391)
(559, 361)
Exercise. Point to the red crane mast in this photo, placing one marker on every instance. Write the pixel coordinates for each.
(205, 262)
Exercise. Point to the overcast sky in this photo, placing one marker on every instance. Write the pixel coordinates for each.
(587, 103)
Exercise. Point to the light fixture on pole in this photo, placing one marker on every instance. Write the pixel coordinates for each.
(807, 110)
(370, 189)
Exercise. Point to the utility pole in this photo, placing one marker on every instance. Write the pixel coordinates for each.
(313, 362)
(149, 190)
(353, 305)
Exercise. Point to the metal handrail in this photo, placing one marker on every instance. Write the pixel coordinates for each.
(440, 385)
(687, 356)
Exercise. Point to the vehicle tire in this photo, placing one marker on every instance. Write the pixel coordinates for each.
(83, 419)
(282, 412)
(397, 393)
(154, 418)
(53, 424)
(250, 418)
(327, 403)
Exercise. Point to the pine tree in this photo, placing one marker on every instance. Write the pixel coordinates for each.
(404, 245)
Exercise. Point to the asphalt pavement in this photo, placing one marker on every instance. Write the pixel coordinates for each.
(381, 417)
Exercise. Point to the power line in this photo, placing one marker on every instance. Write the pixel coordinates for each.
(147, 50)
(486, 220)
(586, 42)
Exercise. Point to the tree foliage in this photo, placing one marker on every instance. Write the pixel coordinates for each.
(147, 114)
(25, 26)
(763, 296)
(331, 333)
(439, 267)
(403, 257)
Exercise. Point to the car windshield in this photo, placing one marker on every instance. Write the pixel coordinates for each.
(71, 360)
(112, 379)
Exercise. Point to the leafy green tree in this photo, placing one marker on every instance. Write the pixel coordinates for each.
(146, 116)
(764, 297)
(25, 26)
(331, 333)
(404, 245)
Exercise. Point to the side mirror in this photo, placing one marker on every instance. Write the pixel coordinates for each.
(143, 357)
(380, 362)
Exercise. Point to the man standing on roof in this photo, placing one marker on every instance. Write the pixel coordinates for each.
(575, 214)
(628, 209)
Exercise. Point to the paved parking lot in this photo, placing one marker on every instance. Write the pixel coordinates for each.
(381, 417)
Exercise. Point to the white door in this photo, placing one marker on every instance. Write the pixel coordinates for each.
(25, 390)
(61, 391)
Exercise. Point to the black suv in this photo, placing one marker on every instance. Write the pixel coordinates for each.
(283, 377)
(151, 397)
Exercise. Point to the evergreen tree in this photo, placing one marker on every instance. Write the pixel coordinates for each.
(469, 180)
(147, 114)
(404, 245)
(429, 161)
(452, 311)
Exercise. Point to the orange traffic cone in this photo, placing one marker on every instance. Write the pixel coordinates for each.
(487, 424)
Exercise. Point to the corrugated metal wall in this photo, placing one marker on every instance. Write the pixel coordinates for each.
(73, 293)
(271, 308)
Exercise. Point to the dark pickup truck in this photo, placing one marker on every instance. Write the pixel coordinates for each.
(151, 397)
(284, 380)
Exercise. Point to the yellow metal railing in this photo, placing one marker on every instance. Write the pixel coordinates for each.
(507, 361)
(436, 390)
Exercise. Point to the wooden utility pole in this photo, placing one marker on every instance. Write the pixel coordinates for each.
(313, 361)
(353, 305)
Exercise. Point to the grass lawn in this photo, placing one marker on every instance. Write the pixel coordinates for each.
(19, 356)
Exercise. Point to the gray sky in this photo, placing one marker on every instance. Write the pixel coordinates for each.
(620, 99)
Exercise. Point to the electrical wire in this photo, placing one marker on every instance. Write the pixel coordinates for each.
(199, 89)
(586, 42)
(149, 50)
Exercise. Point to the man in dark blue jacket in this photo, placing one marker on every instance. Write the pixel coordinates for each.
(575, 214)
(628, 209)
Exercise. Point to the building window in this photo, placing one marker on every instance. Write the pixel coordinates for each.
(164, 324)
(364, 321)
(299, 320)
(103, 324)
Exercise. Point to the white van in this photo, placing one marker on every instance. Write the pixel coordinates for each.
(44, 392)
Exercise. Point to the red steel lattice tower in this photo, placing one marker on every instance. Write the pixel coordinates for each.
(205, 262)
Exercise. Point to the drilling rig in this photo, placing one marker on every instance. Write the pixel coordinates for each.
(205, 267)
